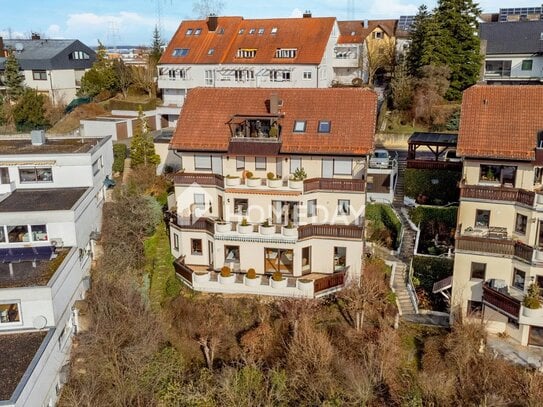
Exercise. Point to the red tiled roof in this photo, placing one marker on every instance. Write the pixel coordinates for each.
(500, 121)
(202, 125)
(308, 35)
(353, 32)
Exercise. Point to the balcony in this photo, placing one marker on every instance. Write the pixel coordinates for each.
(332, 184)
(489, 241)
(200, 179)
(502, 300)
(331, 231)
(489, 193)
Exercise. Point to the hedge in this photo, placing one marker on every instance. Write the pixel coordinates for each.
(117, 104)
(119, 155)
(382, 217)
(429, 270)
(425, 213)
(440, 186)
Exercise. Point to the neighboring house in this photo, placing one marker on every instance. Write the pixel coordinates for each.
(52, 67)
(513, 52)
(365, 51)
(499, 241)
(238, 203)
(248, 53)
(50, 212)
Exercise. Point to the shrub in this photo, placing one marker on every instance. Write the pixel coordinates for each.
(251, 273)
(428, 270)
(277, 276)
(299, 174)
(119, 155)
(386, 227)
(266, 224)
(423, 214)
(271, 176)
(244, 222)
(435, 187)
(248, 174)
(226, 271)
(531, 299)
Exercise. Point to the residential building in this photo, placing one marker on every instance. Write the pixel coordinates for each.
(246, 53)
(52, 192)
(52, 67)
(499, 241)
(273, 180)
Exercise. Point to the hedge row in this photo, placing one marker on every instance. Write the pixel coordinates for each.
(423, 213)
(439, 186)
(381, 217)
(117, 104)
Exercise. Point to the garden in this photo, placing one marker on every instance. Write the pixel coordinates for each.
(437, 229)
(383, 226)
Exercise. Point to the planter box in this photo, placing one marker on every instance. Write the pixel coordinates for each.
(223, 227)
(532, 313)
(295, 184)
(278, 284)
(266, 230)
(232, 182)
(244, 230)
(254, 182)
(306, 286)
(275, 183)
(227, 280)
(252, 282)
(200, 277)
(291, 232)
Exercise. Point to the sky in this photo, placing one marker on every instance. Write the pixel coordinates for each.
(131, 22)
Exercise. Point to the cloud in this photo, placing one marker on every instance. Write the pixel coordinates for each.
(54, 31)
(296, 13)
(6, 33)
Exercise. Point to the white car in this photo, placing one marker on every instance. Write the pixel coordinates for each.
(450, 155)
(380, 159)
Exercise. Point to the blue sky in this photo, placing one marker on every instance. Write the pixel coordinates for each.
(132, 21)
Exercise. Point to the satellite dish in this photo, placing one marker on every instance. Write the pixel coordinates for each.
(19, 46)
(39, 322)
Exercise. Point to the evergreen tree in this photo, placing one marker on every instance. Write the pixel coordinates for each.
(142, 148)
(102, 76)
(156, 48)
(419, 32)
(29, 112)
(13, 78)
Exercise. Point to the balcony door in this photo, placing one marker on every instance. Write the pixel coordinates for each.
(216, 164)
(284, 212)
(327, 168)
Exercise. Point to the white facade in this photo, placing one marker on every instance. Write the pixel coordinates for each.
(61, 85)
(518, 68)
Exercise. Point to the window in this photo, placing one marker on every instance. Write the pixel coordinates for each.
(343, 206)
(278, 260)
(527, 64)
(246, 53)
(295, 163)
(78, 55)
(260, 163)
(241, 75)
(312, 208)
(198, 31)
(4, 175)
(286, 76)
(2, 235)
(252, 31)
(174, 73)
(42, 174)
(18, 234)
(306, 259)
(342, 166)
(241, 31)
(180, 52)
(506, 175)
(519, 278)
(241, 206)
(9, 313)
(498, 68)
(202, 162)
(340, 258)
(279, 76)
(307, 75)
(260, 31)
(377, 35)
(478, 271)
(96, 166)
(240, 163)
(38, 233)
(200, 201)
(482, 218)
(520, 224)
(189, 31)
(324, 126)
(39, 75)
(211, 51)
(220, 31)
(299, 126)
(231, 254)
(475, 307)
(196, 247)
(176, 241)
(274, 30)
(208, 76)
(286, 53)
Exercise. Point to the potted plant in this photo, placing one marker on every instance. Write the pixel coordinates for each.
(222, 226)
(245, 227)
(277, 280)
(290, 230)
(251, 180)
(226, 276)
(251, 278)
(296, 180)
(305, 285)
(232, 180)
(532, 301)
(274, 181)
(267, 228)
(201, 276)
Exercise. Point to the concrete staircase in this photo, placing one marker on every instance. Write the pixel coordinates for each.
(404, 302)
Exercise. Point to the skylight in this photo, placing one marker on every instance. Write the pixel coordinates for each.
(324, 126)
(198, 31)
(211, 51)
(261, 31)
(189, 31)
(241, 31)
(252, 31)
(180, 52)
(299, 126)
(274, 30)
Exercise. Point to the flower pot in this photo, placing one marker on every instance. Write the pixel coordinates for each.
(266, 230)
(291, 232)
(295, 184)
(252, 282)
(200, 277)
(231, 279)
(223, 227)
(275, 183)
(245, 229)
(253, 182)
(531, 312)
(305, 285)
(278, 284)
(232, 181)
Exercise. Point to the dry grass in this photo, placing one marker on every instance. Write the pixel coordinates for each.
(70, 122)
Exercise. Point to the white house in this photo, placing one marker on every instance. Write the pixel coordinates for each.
(52, 191)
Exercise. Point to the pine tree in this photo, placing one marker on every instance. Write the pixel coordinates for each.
(156, 47)
(103, 75)
(13, 78)
(29, 112)
(419, 32)
(142, 148)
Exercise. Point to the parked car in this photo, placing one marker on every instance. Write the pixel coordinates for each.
(450, 155)
(380, 159)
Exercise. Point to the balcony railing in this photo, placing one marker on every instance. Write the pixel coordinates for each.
(434, 165)
(195, 224)
(504, 247)
(333, 231)
(489, 193)
(333, 184)
(325, 283)
(501, 300)
(183, 271)
(200, 179)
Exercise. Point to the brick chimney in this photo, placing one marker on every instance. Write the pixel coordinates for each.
(212, 22)
(307, 14)
(275, 103)
(36, 36)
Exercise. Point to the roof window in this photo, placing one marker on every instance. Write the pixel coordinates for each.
(252, 31)
(299, 126)
(260, 31)
(211, 51)
(180, 52)
(221, 31)
(324, 126)
(189, 31)
(274, 30)
(198, 31)
(241, 31)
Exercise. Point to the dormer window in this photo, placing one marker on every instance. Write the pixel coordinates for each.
(286, 53)
(274, 30)
(198, 31)
(246, 53)
(180, 52)
(189, 31)
(299, 126)
(78, 55)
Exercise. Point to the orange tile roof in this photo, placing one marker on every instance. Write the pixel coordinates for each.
(202, 125)
(353, 32)
(308, 35)
(500, 121)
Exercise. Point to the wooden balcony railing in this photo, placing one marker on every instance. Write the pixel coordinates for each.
(200, 179)
(333, 184)
(434, 165)
(182, 270)
(489, 193)
(333, 231)
(501, 301)
(331, 281)
(195, 224)
(504, 247)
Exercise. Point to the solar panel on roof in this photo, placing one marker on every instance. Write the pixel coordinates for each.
(405, 22)
(521, 12)
(18, 254)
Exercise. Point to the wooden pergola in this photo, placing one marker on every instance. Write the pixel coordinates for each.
(437, 143)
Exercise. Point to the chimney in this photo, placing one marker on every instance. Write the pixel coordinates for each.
(35, 36)
(275, 103)
(307, 14)
(365, 23)
(212, 22)
(37, 137)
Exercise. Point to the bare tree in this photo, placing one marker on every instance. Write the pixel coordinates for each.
(204, 8)
(378, 55)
